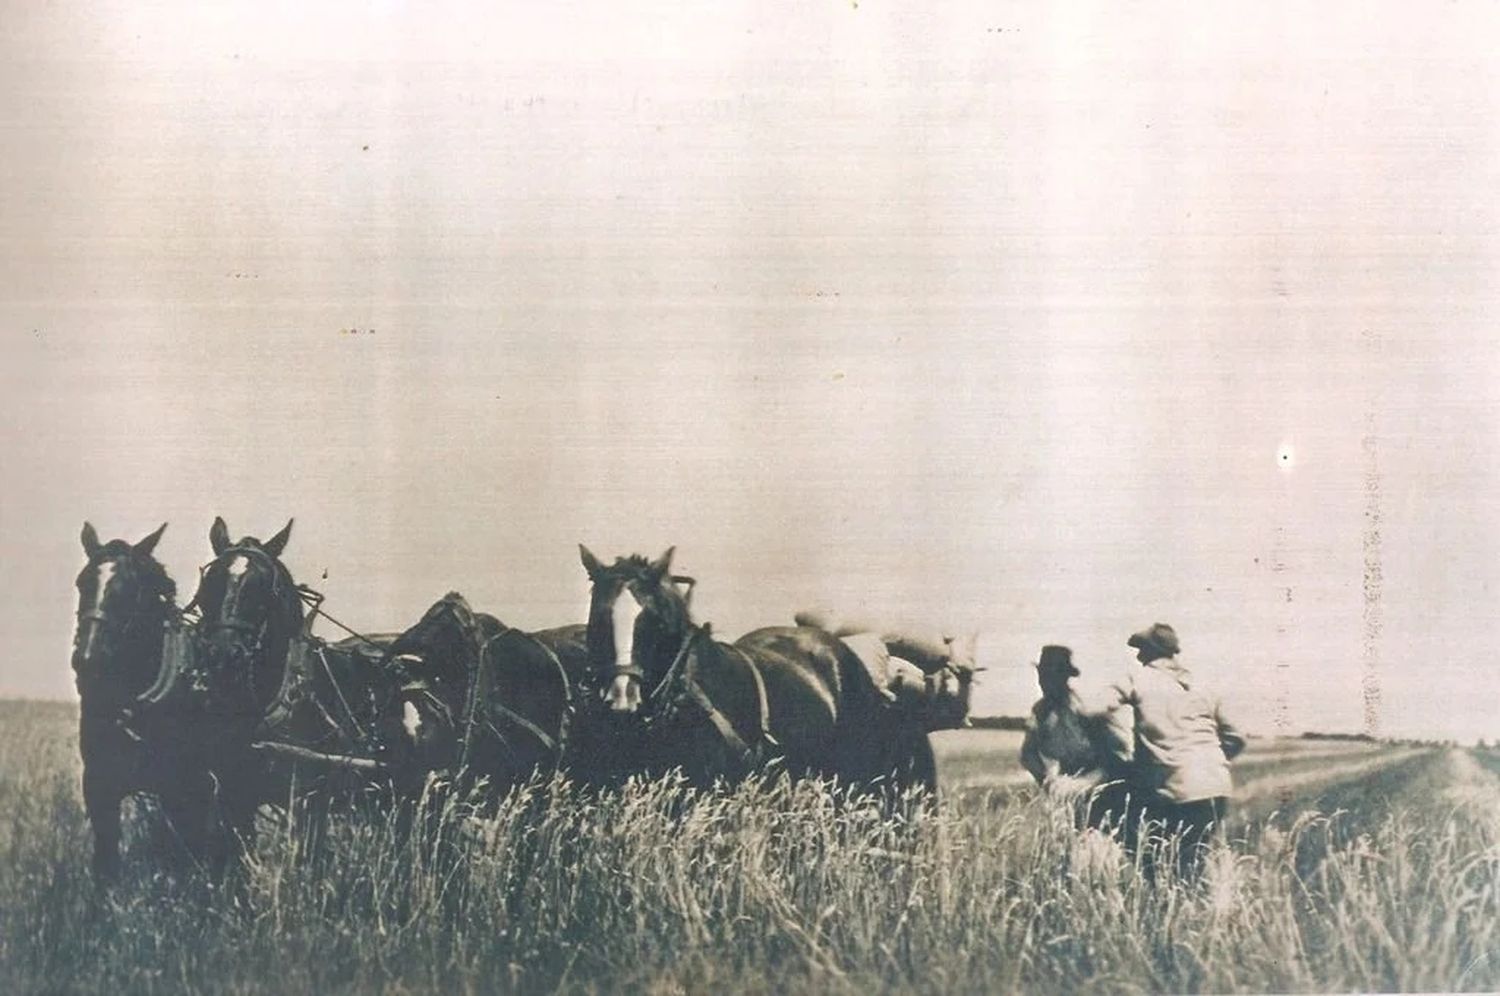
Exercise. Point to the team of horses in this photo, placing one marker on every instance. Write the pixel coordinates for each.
(231, 703)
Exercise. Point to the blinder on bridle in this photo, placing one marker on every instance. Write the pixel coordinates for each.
(101, 617)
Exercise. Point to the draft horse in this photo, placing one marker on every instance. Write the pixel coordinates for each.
(483, 702)
(793, 695)
(294, 716)
(133, 735)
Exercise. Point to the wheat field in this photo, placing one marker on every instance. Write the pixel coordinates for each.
(1352, 867)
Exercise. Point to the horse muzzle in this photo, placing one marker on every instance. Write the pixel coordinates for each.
(624, 694)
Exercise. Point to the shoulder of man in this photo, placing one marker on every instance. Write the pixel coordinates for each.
(1191, 676)
(1106, 689)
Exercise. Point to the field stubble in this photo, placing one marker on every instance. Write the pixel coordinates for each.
(770, 889)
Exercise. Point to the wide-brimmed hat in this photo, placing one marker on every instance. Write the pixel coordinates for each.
(1056, 658)
(1158, 636)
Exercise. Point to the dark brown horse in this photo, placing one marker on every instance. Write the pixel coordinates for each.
(793, 695)
(482, 701)
(133, 736)
(293, 716)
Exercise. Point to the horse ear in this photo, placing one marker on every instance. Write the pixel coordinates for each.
(277, 543)
(590, 562)
(145, 546)
(663, 563)
(218, 536)
(90, 540)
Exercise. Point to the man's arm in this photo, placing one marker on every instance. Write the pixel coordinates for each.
(1031, 754)
(1231, 741)
(1114, 726)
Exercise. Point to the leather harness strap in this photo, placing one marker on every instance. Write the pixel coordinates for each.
(718, 719)
(715, 716)
(677, 662)
(763, 703)
(506, 713)
(536, 731)
(359, 731)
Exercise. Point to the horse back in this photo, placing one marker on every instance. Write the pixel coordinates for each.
(804, 674)
(522, 696)
(812, 653)
(571, 647)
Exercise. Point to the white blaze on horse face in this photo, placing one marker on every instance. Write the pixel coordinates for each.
(625, 690)
(105, 575)
(411, 719)
(236, 570)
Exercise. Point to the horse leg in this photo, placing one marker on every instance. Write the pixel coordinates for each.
(921, 766)
(101, 800)
(919, 771)
(213, 825)
(237, 805)
(240, 832)
(310, 819)
(190, 814)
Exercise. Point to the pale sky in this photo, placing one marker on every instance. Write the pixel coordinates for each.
(1001, 317)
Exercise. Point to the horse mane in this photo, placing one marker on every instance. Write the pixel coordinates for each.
(671, 605)
(422, 631)
(638, 567)
(680, 618)
(635, 562)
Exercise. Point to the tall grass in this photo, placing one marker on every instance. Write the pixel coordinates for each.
(772, 888)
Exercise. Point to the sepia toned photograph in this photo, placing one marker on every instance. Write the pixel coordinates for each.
(751, 498)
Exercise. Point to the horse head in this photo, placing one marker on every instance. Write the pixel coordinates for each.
(124, 599)
(638, 623)
(955, 684)
(441, 648)
(251, 610)
(434, 661)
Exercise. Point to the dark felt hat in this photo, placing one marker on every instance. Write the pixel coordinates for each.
(1056, 658)
(1159, 637)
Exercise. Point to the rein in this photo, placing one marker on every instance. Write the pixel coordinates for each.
(471, 700)
(688, 639)
(313, 599)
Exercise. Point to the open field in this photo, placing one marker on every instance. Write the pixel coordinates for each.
(777, 890)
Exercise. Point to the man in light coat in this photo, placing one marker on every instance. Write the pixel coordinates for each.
(1169, 732)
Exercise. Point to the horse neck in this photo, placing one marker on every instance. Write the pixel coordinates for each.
(455, 649)
(671, 633)
(570, 645)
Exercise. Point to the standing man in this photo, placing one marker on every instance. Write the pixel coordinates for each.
(1171, 729)
(1066, 748)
